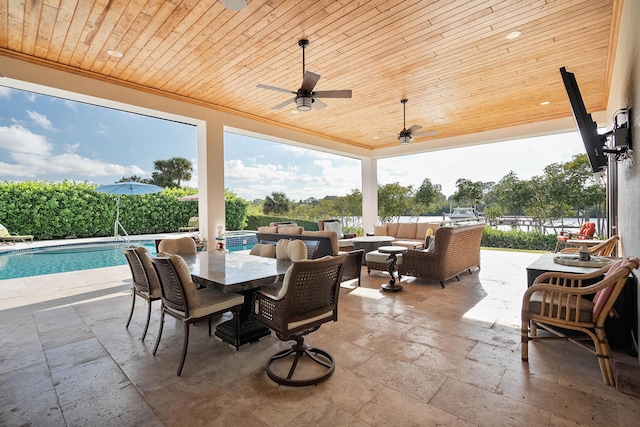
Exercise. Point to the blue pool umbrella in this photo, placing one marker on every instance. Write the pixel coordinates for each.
(127, 188)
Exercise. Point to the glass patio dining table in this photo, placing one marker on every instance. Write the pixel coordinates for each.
(241, 273)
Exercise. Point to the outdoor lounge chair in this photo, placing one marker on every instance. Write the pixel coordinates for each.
(191, 226)
(7, 237)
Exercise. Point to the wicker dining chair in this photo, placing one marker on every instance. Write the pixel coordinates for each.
(183, 301)
(145, 281)
(604, 248)
(307, 299)
(562, 302)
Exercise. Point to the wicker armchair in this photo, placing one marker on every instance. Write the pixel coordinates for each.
(456, 249)
(181, 300)
(145, 281)
(545, 305)
(307, 299)
(604, 248)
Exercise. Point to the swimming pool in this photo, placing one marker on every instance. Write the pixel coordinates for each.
(64, 258)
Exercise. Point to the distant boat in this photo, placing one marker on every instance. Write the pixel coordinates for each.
(464, 213)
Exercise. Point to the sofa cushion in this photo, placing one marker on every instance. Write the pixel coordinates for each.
(406, 230)
(380, 258)
(421, 230)
(268, 229)
(290, 229)
(409, 244)
(380, 230)
(392, 229)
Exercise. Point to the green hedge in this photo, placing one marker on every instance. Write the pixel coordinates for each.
(58, 210)
(529, 240)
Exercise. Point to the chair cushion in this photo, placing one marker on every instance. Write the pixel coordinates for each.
(152, 276)
(190, 290)
(601, 297)
(299, 323)
(281, 249)
(334, 226)
(179, 246)
(586, 308)
(409, 244)
(290, 229)
(297, 250)
(212, 301)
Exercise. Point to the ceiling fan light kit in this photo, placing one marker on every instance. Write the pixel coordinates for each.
(404, 140)
(305, 97)
(405, 136)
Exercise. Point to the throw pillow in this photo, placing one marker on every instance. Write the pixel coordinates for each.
(297, 250)
(334, 226)
(602, 295)
(281, 249)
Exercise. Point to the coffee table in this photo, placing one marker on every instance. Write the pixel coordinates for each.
(370, 243)
(393, 252)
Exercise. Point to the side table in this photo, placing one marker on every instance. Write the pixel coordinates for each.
(393, 252)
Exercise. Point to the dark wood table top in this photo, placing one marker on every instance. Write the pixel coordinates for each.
(236, 272)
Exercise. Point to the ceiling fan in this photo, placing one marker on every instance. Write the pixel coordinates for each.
(306, 97)
(406, 135)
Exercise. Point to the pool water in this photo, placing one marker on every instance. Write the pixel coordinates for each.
(61, 259)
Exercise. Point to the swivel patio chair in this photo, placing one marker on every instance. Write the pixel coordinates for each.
(307, 299)
(181, 300)
(6, 237)
(145, 281)
(563, 304)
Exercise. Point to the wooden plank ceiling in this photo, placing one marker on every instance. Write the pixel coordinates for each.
(450, 58)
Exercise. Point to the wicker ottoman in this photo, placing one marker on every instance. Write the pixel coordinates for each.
(378, 261)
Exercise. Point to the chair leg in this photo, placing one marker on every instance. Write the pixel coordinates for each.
(184, 347)
(133, 304)
(442, 283)
(524, 340)
(155, 348)
(146, 326)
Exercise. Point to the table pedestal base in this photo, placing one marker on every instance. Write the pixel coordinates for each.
(250, 331)
(391, 287)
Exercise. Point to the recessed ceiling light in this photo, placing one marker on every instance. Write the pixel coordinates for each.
(114, 53)
(376, 137)
(513, 35)
(438, 120)
(545, 103)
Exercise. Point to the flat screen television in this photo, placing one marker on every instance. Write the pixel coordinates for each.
(594, 143)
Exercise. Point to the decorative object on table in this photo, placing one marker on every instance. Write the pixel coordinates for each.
(145, 281)
(307, 299)
(576, 261)
(183, 301)
(220, 238)
(584, 254)
(127, 188)
(545, 303)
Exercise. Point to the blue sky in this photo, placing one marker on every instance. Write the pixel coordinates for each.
(46, 138)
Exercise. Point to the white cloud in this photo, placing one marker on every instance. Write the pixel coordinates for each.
(32, 156)
(71, 105)
(103, 129)
(31, 97)
(18, 139)
(40, 120)
(5, 92)
(71, 148)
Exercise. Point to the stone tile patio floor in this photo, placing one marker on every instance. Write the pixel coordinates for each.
(424, 356)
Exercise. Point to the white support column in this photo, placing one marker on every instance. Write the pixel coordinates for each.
(211, 179)
(369, 194)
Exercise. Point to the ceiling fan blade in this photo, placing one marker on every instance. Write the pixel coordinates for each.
(284, 104)
(275, 88)
(389, 138)
(332, 94)
(309, 81)
(425, 133)
(318, 105)
(414, 128)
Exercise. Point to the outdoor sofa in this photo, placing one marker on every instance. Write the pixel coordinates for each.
(319, 244)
